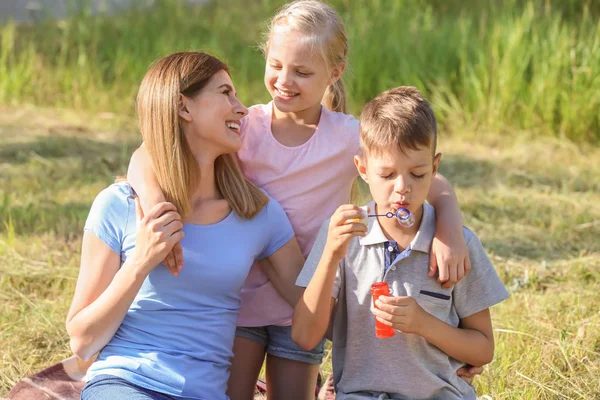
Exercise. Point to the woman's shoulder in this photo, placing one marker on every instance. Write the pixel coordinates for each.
(113, 200)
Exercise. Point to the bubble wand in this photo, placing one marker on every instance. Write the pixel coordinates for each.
(402, 215)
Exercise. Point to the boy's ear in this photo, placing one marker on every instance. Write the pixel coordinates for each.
(336, 73)
(436, 162)
(182, 109)
(361, 167)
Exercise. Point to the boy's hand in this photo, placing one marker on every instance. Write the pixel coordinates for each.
(468, 372)
(449, 255)
(402, 313)
(343, 226)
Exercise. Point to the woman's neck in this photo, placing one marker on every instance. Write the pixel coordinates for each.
(206, 188)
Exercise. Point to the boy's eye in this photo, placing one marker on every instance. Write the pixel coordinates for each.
(418, 176)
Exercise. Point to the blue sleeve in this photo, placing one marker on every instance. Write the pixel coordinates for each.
(108, 216)
(279, 228)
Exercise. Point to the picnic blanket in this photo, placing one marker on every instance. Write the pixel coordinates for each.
(64, 381)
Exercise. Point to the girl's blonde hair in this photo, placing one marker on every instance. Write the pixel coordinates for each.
(175, 166)
(324, 28)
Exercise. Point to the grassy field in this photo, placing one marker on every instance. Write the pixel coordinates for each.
(506, 66)
(538, 216)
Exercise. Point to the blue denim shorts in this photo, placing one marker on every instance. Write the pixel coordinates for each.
(109, 387)
(278, 342)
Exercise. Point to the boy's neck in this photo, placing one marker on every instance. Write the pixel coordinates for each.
(397, 233)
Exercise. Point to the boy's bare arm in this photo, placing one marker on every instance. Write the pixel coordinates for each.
(449, 252)
(313, 311)
(472, 343)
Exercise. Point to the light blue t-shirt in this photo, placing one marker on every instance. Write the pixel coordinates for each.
(177, 336)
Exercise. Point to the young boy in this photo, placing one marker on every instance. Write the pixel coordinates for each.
(437, 330)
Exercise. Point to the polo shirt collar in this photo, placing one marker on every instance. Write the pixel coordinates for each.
(422, 240)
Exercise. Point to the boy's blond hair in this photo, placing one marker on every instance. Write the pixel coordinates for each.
(399, 117)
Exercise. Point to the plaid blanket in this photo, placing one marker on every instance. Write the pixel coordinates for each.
(62, 381)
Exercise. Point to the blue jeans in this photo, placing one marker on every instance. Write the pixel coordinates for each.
(109, 387)
(278, 342)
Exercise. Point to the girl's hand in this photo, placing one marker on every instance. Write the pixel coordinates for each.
(157, 233)
(449, 255)
(468, 372)
(174, 260)
(343, 226)
(402, 313)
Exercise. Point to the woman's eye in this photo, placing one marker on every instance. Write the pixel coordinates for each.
(275, 66)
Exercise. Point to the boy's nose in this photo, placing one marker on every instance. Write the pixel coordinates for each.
(401, 186)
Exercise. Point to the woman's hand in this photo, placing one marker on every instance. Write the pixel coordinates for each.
(157, 233)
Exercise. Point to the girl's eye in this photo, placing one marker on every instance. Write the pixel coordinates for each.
(275, 66)
(303, 73)
(389, 176)
(418, 176)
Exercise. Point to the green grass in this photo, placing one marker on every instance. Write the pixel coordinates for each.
(508, 66)
(534, 204)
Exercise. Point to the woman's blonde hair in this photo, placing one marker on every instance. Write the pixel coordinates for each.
(175, 166)
(324, 28)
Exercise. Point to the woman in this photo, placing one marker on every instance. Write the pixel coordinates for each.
(162, 335)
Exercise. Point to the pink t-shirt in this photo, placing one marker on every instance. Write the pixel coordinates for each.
(310, 181)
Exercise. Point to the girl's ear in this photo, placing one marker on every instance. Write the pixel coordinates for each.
(182, 108)
(336, 73)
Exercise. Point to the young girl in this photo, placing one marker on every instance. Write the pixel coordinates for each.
(159, 336)
(299, 148)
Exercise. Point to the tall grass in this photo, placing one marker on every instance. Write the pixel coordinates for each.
(508, 66)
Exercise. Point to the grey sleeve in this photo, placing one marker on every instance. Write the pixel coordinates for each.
(310, 266)
(481, 288)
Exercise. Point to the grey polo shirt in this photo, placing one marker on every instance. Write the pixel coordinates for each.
(404, 366)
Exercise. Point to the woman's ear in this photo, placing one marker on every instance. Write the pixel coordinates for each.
(436, 162)
(182, 108)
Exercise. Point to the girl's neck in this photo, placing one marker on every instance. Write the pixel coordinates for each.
(308, 117)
